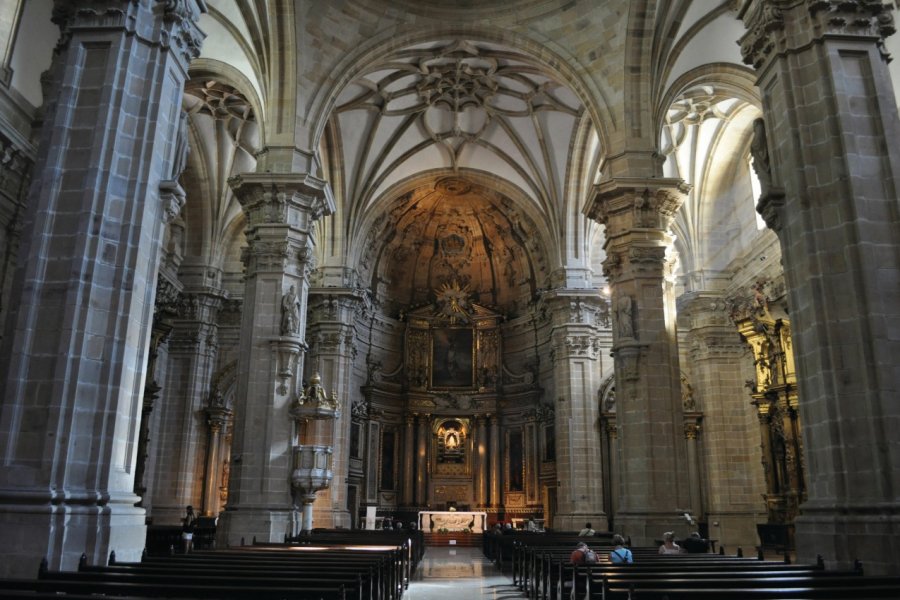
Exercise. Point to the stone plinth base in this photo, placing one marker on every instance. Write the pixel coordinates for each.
(265, 524)
(576, 522)
(61, 533)
(868, 533)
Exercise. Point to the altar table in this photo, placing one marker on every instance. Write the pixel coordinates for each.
(432, 520)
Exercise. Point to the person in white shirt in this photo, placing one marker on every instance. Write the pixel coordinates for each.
(669, 546)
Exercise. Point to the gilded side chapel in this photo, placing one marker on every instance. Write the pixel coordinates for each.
(303, 263)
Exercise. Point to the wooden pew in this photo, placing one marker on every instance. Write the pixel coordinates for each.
(382, 568)
(257, 572)
(668, 578)
(63, 587)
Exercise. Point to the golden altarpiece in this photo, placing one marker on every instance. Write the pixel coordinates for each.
(451, 428)
(763, 323)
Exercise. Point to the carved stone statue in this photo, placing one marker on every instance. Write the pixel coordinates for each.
(179, 160)
(759, 150)
(290, 313)
(625, 317)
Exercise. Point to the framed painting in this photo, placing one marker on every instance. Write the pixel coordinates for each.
(452, 358)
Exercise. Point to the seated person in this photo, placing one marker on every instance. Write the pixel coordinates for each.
(620, 555)
(583, 555)
(669, 546)
(587, 531)
(695, 544)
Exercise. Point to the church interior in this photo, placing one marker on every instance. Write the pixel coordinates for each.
(299, 264)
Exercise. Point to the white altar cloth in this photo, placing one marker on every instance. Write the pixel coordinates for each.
(452, 520)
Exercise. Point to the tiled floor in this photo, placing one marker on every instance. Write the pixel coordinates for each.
(459, 573)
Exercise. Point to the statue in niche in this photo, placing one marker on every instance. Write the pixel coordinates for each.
(182, 149)
(451, 449)
(290, 313)
(759, 150)
(625, 317)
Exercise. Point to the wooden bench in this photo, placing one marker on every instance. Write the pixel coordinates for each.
(380, 571)
(270, 591)
(665, 578)
(253, 572)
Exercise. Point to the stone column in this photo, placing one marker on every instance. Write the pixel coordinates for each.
(575, 317)
(72, 366)
(180, 440)
(217, 418)
(637, 213)
(730, 431)
(160, 332)
(830, 171)
(481, 465)
(332, 338)
(424, 435)
(409, 454)
(612, 434)
(280, 209)
(496, 499)
(691, 431)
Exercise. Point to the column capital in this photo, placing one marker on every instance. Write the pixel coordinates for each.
(775, 27)
(568, 344)
(293, 199)
(217, 417)
(170, 24)
(691, 430)
(584, 307)
(335, 305)
(627, 203)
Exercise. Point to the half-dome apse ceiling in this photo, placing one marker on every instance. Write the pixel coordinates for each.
(454, 231)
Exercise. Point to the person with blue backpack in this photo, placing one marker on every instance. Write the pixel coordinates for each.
(620, 555)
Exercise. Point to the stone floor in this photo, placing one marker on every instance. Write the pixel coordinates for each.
(448, 573)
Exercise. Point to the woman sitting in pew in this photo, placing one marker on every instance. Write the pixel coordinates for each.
(669, 546)
(620, 555)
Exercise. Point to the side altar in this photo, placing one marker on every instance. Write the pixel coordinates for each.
(432, 520)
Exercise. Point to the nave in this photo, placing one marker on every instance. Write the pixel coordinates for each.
(448, 573)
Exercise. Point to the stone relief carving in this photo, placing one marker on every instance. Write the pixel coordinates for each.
(417, 362)
(168, 299)
(230, 313)
(359, 410)
(754, 301)
(612, 266)
(15, 169)
(488, 344)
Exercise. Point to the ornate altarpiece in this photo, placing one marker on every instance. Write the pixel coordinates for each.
(453, 345)
(452, 359)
